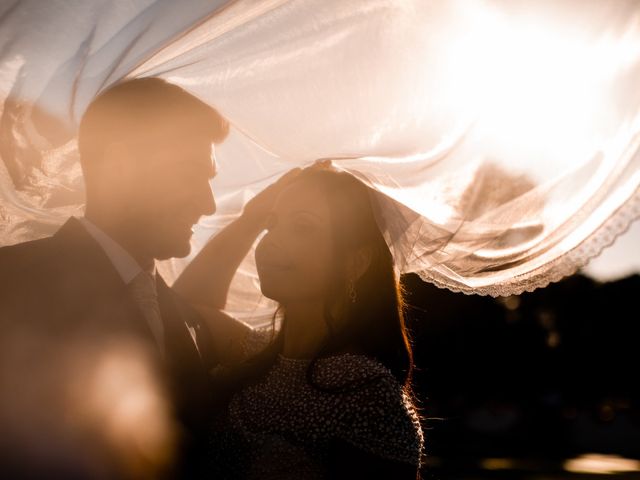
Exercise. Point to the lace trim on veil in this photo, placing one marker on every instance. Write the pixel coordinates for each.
(563, 266)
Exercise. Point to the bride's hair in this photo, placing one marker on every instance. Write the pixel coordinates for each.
(373, 324)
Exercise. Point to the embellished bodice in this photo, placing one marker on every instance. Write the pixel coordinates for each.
(286, 421)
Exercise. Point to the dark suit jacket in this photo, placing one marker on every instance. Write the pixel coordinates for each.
(65, 289)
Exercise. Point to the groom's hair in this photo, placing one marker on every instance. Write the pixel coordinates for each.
(132, 111)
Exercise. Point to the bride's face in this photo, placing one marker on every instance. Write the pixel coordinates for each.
(294, 256)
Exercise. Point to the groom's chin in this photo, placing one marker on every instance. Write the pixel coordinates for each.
(175, 250)
(173, 242)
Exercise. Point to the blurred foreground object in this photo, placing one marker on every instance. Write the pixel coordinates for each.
(94, 410)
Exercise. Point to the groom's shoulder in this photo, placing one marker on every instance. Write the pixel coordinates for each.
(25, 268)
(22, 255)
(41, 254)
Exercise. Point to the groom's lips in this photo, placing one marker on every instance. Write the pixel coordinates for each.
(188, 225)
(186, 228)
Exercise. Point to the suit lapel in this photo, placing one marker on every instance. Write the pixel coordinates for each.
(95, 293)
(98, 295)
(185, 316)
(178, 341)
(189, 373)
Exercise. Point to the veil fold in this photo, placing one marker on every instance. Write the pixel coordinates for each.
(502, 138)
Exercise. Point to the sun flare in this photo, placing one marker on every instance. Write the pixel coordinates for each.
(532, 87)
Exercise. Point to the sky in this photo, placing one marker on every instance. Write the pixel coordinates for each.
(620, 259)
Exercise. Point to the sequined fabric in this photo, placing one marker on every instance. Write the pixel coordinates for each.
(282, 426)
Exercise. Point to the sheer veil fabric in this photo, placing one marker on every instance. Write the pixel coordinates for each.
(501, 137)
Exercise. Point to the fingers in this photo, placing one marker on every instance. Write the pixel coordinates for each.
(282, 182)
(323, 164)
(290, 175)
(285, 179)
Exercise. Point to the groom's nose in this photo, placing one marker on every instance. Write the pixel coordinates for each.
(203, 200)
(209, 202)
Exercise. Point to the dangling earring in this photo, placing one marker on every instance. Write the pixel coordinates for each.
(353, 295)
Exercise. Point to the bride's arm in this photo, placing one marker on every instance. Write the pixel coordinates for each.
(233, 341)
(206, 280)
(228, 335)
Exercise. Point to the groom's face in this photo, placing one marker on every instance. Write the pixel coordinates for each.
(170, 190)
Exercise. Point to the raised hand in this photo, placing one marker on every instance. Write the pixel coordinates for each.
(258, 208)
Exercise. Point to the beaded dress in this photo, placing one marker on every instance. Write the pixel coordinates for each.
(282, 426)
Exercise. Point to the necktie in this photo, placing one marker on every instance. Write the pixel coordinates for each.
(143, 292)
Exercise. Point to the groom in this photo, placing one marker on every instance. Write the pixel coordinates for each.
(147, 155)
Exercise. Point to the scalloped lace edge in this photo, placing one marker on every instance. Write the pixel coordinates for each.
(565, 265)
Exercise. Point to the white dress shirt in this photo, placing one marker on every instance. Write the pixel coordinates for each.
(141, 283)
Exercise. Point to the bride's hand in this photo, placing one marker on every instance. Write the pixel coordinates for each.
(323, 164)
(259, 207)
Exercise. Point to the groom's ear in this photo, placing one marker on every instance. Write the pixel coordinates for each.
(359, 262)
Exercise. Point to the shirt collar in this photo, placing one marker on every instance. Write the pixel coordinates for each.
(126, 266)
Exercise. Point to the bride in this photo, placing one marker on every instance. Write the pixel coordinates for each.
(329, 396)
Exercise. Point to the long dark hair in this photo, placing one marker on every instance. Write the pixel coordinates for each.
(374, 325)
